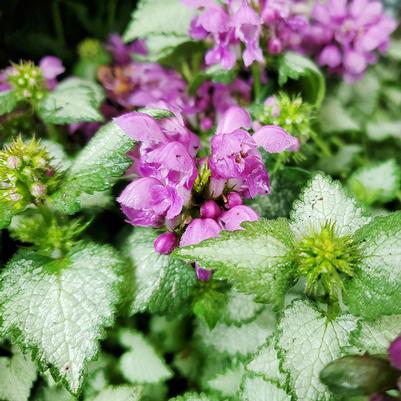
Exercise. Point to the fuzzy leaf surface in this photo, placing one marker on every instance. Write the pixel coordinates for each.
(252, 260)
(256, 388)
(374, 291)
(119, 393)
(59, 309)
(8, 102)
(307, 342)
(325, 201)
(163, 283)
(96, 168)
(74, 100)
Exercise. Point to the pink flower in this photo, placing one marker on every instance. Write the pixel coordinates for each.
(231, 219)
(122, 52)
(199, 230)
(51, 67)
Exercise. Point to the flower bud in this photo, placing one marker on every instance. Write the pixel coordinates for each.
(38, 190)
(275, 46)
(233, 199)
(13, 162)
(394, 353)
(165, 243)
(203, 274)
(210, 209)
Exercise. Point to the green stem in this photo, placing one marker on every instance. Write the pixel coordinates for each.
(257, 88)
(186, 71)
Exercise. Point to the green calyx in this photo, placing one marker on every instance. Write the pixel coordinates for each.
(26, 174)
(89, 48)
(28, 82)
(326, 260)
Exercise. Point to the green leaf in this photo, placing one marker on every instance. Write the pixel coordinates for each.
(120, 393)
(17, 375)
(308, 341)
(159, 17)
(335, 118)
(323, 201)
(96, 168)
(253, 260)
(369, 185)
(255, 388)
(375, 336)
(228, 382)
(194, 397)
(208, 306)
(53, 394)
(237, 341)
(158, 113)
(266, 363)
(163, 284)
(308, 76)
(6, 214)
(381, 128)
(74, 100)
(8, 102)
(285, 187)
(59, 308)
(141, 364)
(239, 308)
(341, 162)
(375, 289)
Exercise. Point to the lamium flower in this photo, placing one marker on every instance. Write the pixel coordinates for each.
(172, 187)
(139, 84)
(232, 24)
(346, 36)
(121, 52)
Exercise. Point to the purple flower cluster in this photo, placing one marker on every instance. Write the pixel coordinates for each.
(195, 198)
(345, 35)
(233, 23)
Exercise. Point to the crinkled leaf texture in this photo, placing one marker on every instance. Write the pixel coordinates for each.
(227, 383)
(163, 283)
(307, 341)
(96, 168)
(325, 201)
(377, 183)
(256, 388)
(374, 291)
(168, 18)
(17, 375)
(8, 102)
(306, 73)
(253, 260)
(73, 101)
(119, 393)
(59, 309)
(237, 341)
(141, 364)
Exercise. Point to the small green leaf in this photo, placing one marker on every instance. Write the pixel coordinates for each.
(255, 388)
(159, 17)
(228, 382)
(6, 213)
(158, 113)
(308, 341)
(59, 308)
(120, 393)
(163, 284)
(141, 364)
(208, 306)
(306, 74)
(8, 102)
(237, 341)
(96, 168)
(53, 394)
(253, 260)
(73, 101)
(266, 363)
(324, 201)
(376, 336)
(369, 185)
(374, 291)
(17, 375)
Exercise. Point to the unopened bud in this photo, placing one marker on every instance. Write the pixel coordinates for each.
(210, 209)
(38, 190)
(233, 199)
(165, 243)
(13, 162)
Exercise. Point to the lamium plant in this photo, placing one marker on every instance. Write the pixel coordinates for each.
(203, 207)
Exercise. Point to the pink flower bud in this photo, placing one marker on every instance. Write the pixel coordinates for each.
(210, 209)
(13, 162)
(275, 46)
(165, 243)
(233, 199)
(38, 190)
(203, 274)
(394, 352)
